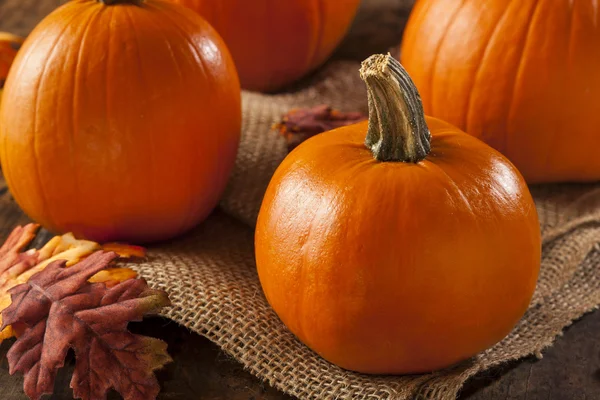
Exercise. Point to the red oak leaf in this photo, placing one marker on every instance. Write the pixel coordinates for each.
(12, 261)
(62, 310)
(301, 124)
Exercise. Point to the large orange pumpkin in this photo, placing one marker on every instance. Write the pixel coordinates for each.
(524, 76)
(401, 245)
(275, 42)
(120, 120)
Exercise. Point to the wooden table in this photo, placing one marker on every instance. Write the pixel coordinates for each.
(570, 370)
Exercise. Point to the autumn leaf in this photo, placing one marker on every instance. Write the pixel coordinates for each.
(16, 266)
(13, 263)
(62, 310)
(125, 250)
(301, 124)
(49, 322)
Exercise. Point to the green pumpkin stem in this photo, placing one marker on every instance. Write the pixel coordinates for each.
(397, 128)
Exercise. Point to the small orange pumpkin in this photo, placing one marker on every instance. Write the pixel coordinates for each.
(524, 76)
(401, 245)
(120, 120)
(275, 42)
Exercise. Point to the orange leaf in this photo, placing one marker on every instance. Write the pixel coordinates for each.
(125, 250)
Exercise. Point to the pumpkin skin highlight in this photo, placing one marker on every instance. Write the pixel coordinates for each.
(276, 42)
(522, 76)
(120, 122)
(398, 267)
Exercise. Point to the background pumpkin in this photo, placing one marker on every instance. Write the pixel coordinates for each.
(406, 255)
(9, 45)
(524, 76)
(120, 122)
(275, 42)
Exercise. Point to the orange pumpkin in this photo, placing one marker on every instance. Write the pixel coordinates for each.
(120, 120)
(523, 76)
(275, 42)
(9, 44)
(401, 245)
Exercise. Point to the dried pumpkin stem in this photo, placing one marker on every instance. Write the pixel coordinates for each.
(397, 128)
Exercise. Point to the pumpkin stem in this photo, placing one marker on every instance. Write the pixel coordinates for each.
(397, 128)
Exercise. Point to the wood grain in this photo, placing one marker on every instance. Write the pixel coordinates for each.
(569, 370)
(21, 16)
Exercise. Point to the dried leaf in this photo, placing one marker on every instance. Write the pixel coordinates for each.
(16, 267)
(62, 310)
(14, 263)
(113, 276)
(301, 124)
(125, 250)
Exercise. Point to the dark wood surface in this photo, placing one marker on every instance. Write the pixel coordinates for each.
(569, 370)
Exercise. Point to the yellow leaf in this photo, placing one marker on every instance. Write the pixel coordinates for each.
(113, 276)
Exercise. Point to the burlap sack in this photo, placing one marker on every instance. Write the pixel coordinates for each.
(211, 277)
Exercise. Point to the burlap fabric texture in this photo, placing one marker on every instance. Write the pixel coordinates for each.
(211, 276)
